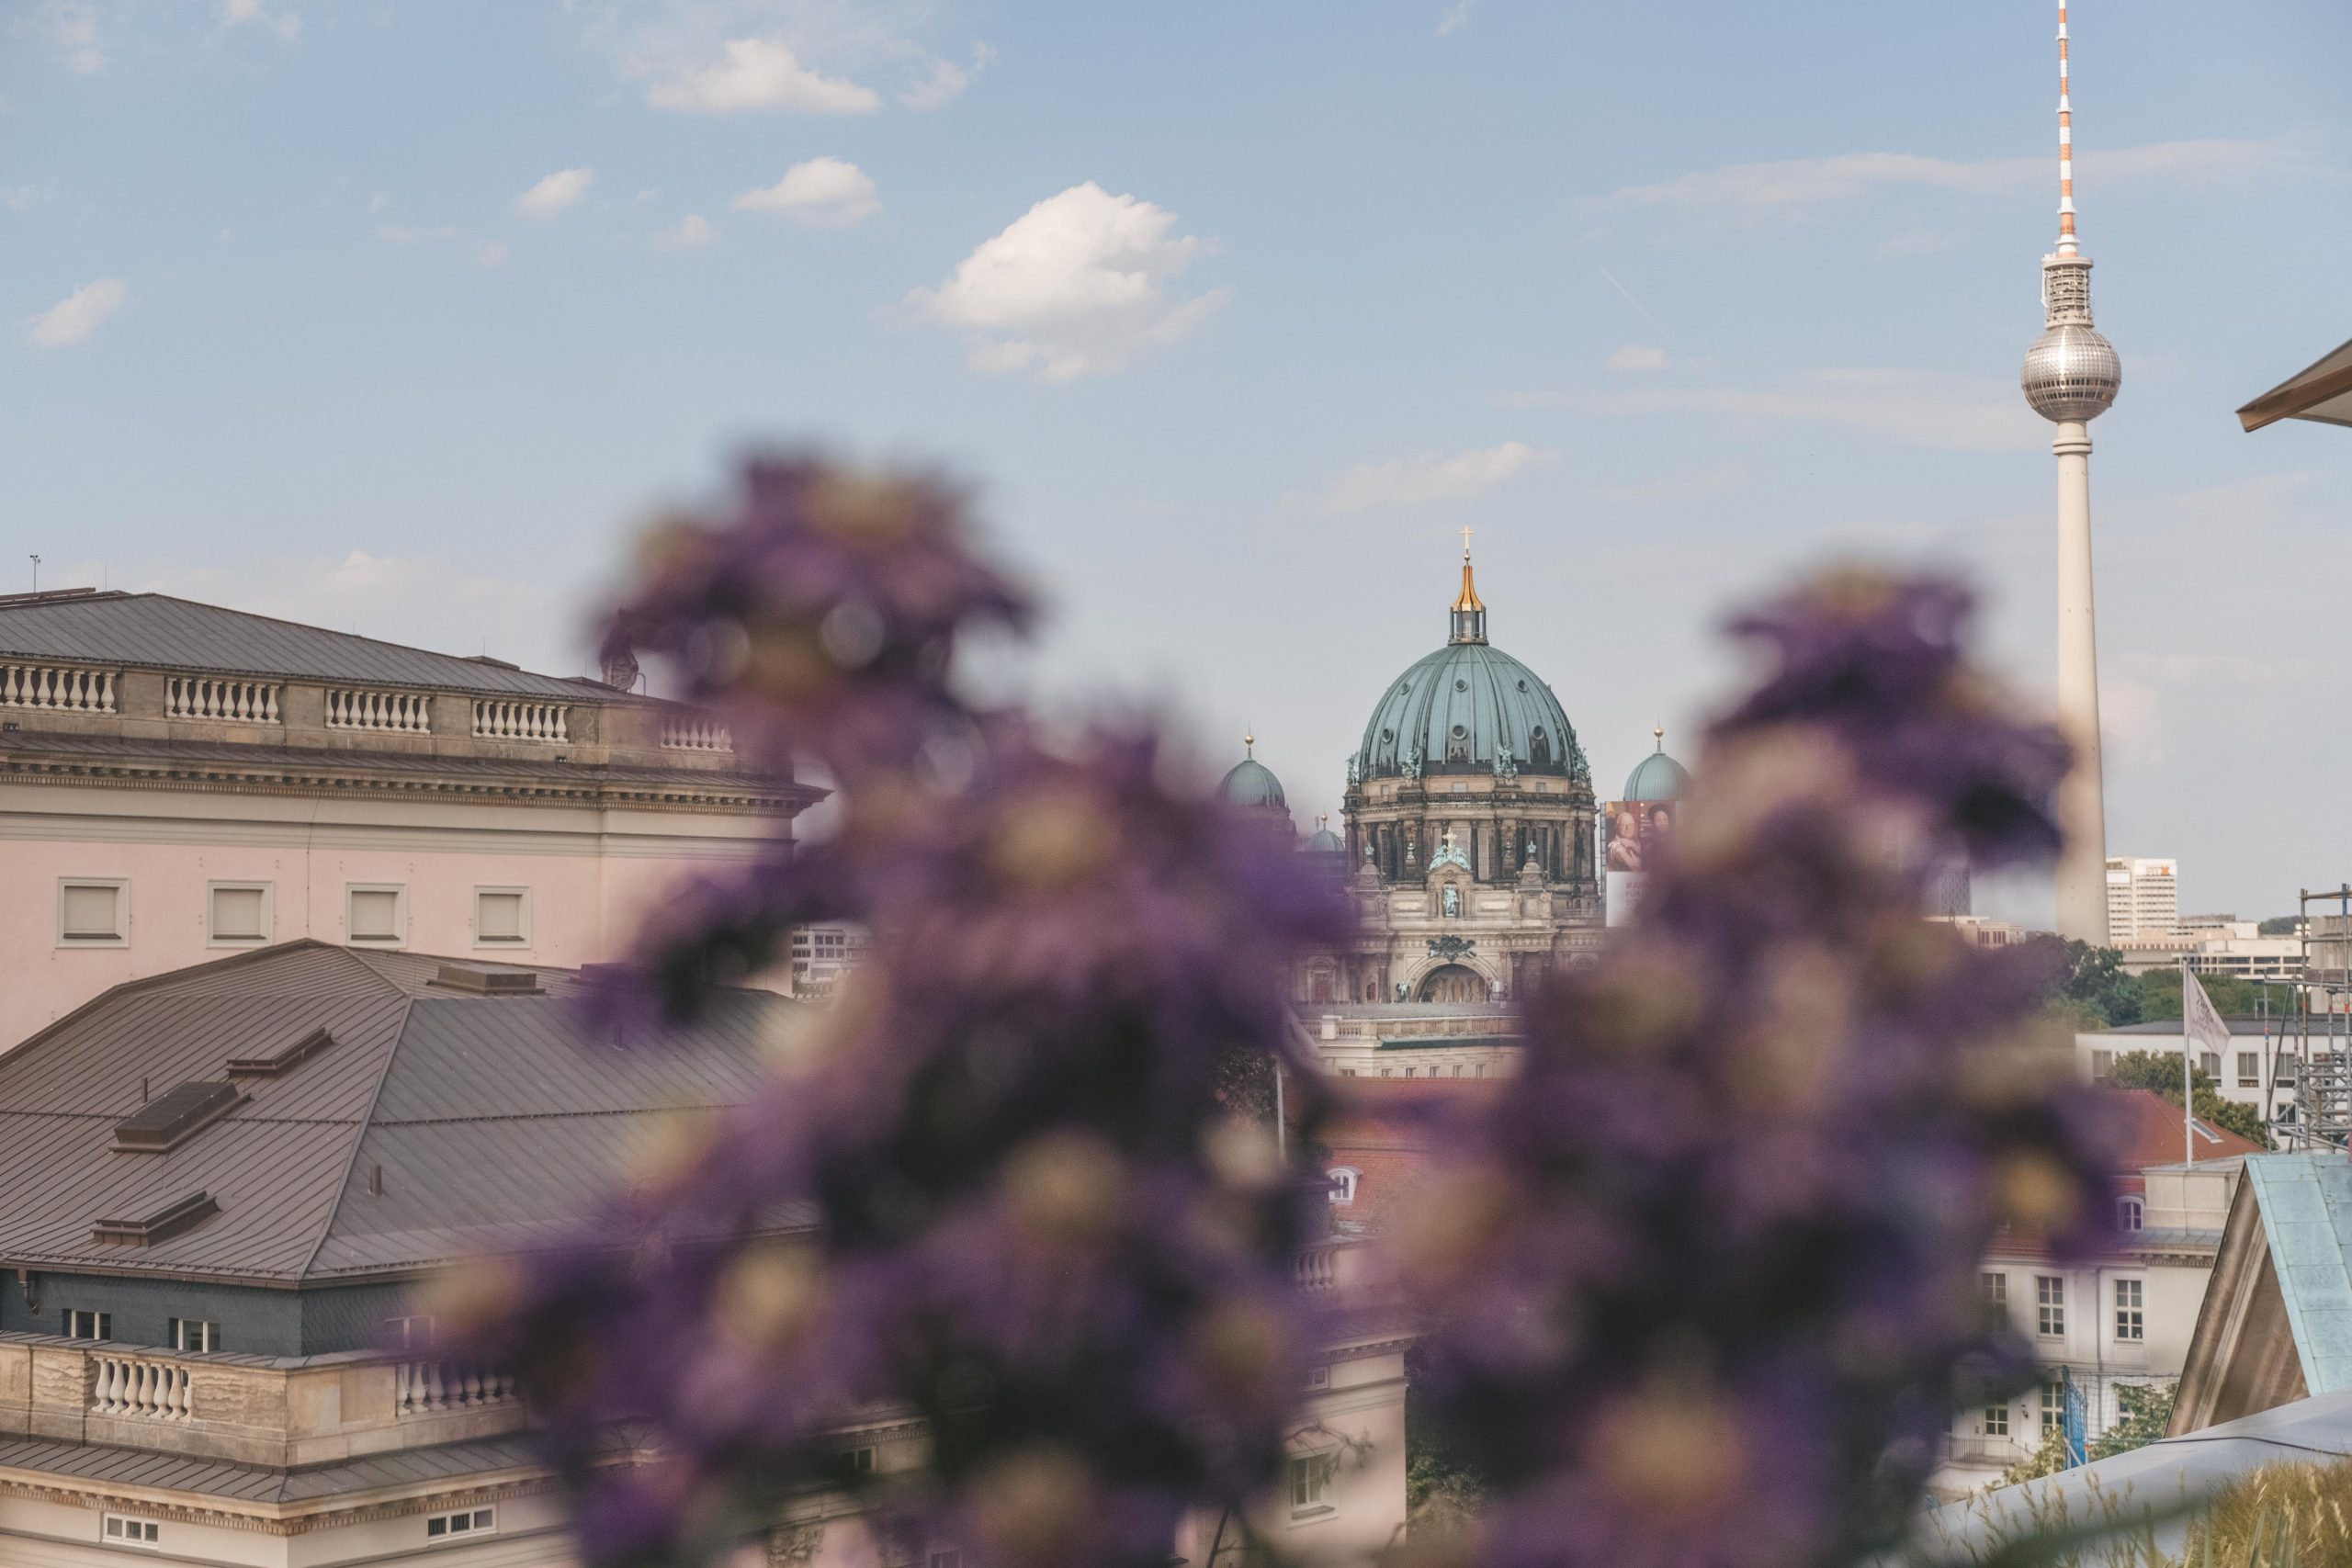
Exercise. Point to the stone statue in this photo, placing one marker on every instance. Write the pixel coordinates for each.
(1453, 899)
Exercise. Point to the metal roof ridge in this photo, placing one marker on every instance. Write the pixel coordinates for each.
(147, 982)
(349, 637)
(358, 1137)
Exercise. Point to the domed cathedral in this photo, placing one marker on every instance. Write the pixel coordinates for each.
(1469, 814)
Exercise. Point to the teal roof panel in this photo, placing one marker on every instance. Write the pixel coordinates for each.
(2306, 1206)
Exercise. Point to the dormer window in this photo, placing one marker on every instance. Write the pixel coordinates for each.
(1343, 1184)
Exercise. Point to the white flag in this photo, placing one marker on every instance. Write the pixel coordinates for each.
(2200, 1028)
(2199, 1022)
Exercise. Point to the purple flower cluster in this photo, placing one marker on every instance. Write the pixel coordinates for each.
(1001, 1197)
(1705, 1282)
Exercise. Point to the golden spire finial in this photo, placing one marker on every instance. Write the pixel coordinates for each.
(1660, 731)
(1467, 600)
(1249, 743)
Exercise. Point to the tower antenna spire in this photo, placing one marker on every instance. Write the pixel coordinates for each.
(2065, 144)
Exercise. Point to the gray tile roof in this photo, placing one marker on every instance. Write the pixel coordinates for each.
(251, 1483)
(158, 632)
(497, 1120)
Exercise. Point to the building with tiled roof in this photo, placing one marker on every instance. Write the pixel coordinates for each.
(179, 780)
(224, 1184)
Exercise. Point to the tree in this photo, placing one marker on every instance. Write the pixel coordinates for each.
(2048, 1460)
(2094, 985)
(2278, 925)
(2147, 1069)
(2232, 995)
(2146, 1412)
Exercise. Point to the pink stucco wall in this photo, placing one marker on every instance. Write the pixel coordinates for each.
(583, 906)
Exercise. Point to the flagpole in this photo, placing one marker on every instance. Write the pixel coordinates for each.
(2188, 1084)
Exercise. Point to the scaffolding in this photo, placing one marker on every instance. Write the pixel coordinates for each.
(2323, 1056)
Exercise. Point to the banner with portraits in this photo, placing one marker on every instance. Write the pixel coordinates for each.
(1633, 833)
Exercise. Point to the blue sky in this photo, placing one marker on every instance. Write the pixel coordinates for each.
(402, 315)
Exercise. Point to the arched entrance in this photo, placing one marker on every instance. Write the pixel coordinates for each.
(1454, 983)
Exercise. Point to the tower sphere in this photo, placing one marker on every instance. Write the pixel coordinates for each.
(2071, 373)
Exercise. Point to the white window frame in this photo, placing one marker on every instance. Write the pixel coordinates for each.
(2131, 1312)
(206, 1337)
(1994, 1421)
(2130, 1214)
(101, 1324)
(1307, 1479)
(2050, 1306)
(1344, 1178)
(510, 944)
(131, 1533)
(478, 1522)
(121, 886)
(399, 890)
(2249, 1069)
(269, 891)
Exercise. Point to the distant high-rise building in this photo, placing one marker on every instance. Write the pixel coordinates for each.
(2142, 899)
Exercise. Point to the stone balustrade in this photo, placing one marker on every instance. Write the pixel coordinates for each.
(239, 702)
(682, 733)
(246, 1409)
(139, 1386)
(57, 688)
(397, 713)
(502, 720)
(423, 1388)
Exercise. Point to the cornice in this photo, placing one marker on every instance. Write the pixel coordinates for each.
(271, 1518)
(314, 782)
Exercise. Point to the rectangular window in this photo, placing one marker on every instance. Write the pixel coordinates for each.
(82, 1325)
(192, 1334)
(2249, 1069)
(2054, 1407)
(93, 912)
(2209, 1064)
(501, 917)
(2130, 1300)
(463, 1522)
(408, 1334)
(2102, 1066)
(1993, 1289)
(239, 915)
(2050, 1305)
(1997, 1420)
(862, 1461)
(1310, 1483)
(376, 915)
(122, 1530)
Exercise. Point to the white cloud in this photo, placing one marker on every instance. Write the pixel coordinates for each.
(693, 233)
(823, 192)
(944, 81)
(552, 195)
(72, 29)
(77, 315)
(491, 253)
(1921, 408)
(1798, 184)
(1076, 286)
(24, 199)
(1455, 16)
(380, 201)
(243, 13)
(758, 74)
(1417, 481)
(1637, 356)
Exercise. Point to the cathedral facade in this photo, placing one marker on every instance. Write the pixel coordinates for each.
(1469, 844)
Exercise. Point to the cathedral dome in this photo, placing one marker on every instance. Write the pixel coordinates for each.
(1461, 708)
(1657, 776)
(1251, 782)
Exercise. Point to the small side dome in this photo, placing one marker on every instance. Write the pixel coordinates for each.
(1323, 842)
(1658, 776)
(1251, 782)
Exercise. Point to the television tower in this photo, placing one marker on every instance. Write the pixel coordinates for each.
(2071, 378)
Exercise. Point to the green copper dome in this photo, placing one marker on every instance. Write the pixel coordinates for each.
(1323, 842)
(1251, 782)
(1657, 776)
(1468, 708)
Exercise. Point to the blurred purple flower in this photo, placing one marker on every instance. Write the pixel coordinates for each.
(1005, 1196)
(1706, 1278)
